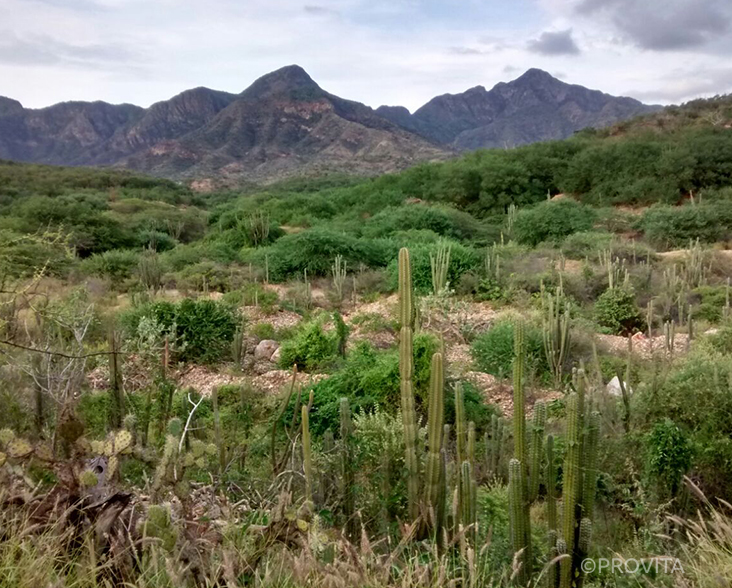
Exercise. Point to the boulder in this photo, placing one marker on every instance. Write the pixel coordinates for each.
(265, 349)
(276, 355)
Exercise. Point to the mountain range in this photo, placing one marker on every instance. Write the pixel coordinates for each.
(285, 124)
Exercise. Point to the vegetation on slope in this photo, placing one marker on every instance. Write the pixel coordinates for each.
(115, 289)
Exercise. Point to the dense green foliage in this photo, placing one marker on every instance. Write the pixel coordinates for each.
(552, 221)
(617, 311)
(493, 351)
(201, 330)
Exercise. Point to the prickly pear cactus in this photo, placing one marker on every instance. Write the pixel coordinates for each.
(44, 452)
(6, 436)
(112, 466)
(122, 442)
(18, 448)
(88, 479)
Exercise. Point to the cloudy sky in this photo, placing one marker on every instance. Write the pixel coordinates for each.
(375, 51)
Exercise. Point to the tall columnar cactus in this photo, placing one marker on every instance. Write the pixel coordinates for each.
(551, 508)
(461, 438)
(406, 368)
(571, 486)
(519, 401)
(519, 433)
(493, 444)
(556, 331)
(348, 500)
(537, 439)
(589, 464)
(468, 498)
(470, 447)
(435, 423)
(517, 518)
(307, 459)
(338, 269)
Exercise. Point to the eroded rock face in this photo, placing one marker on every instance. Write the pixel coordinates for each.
(284, 124)
(265, 349)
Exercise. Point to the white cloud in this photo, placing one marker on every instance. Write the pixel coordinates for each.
(376, 51)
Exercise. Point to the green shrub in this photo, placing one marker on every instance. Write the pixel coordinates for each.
(264, 331)
(586, 244)
(117, 265)
(311, 348)
(438, 220)
(617, 311)
(552, 221)
(462, 259)
(204, 329)
(669, 456)
(675, 226)
(493, 351)
(711, 301)
(476, 409)
(370, 378)
(93, 410)
(314, 250)
(696, 395)
(207, 327)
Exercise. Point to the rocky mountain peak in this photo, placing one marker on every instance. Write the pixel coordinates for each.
(291, 82)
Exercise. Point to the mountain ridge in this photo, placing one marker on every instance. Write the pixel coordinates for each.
(285, 124)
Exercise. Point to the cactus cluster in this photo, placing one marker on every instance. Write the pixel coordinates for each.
(518, 478)
(175, 459)
(572, 535)
(338, 269)
(579, 485)
(117, 444)
(555, 323)
(495, 441)
(440, 264)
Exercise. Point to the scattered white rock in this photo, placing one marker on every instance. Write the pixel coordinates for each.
(276, 355)
(613, 387)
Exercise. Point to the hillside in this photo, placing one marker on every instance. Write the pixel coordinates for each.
(285, 125)
(229, 388)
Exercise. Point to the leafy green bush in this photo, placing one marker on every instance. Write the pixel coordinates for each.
(476, 409)
(462, 259)
(203, 329)
(493, 351)
(117, 265)
(696, 396)
(314, 250)
(310, 348)
(439, 220)
(669, 455)
(712, 300)
(207, 327)
(586, 244)
(370, 378)
(264, 331)
(552, 220)
(675, 226)
(617, 311)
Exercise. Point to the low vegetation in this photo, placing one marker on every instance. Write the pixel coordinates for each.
(448, 376)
